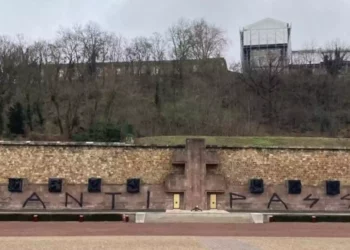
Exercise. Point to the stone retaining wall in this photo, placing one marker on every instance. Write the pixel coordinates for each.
(194, 171)
(75, 164)
(312, 166)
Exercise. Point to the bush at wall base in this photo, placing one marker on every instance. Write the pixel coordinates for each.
(61, 217)
(308, 218)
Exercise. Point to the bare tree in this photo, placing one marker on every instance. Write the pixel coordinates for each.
(307, 60)
(207, 40)
(30, 89)
(158, 47)
(11, 64)
(138, 52)
(52, 77)
(73, 83)
(334, 55)
(264, 80)
(181, 38)
(93, 40)
(71, 47)
(66, 95)
(158, 50)
(39, 94)
(97, 48)
(116, 49)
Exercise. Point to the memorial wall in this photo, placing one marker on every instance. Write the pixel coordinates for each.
(98, 176)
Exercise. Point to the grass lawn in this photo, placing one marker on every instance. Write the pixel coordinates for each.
(312, 142)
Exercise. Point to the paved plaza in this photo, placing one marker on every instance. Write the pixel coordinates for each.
(173, 243)
(112, 236)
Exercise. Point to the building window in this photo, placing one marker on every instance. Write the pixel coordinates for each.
(155, 70)
(61, 73)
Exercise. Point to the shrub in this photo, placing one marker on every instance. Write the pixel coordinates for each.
(16, 119)
(100, 132)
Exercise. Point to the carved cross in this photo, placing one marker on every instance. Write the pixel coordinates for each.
(195, 183)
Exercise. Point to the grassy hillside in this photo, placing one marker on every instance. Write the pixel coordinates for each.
(250, 141)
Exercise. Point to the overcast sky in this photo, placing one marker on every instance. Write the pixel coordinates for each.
(317, 21)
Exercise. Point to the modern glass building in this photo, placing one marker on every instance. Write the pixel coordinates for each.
(265, 43)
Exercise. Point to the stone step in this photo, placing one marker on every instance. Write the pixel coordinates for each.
(198, 217)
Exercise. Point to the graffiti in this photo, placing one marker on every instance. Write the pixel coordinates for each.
(148, 199)
(33, 198)
(80, 203)
(235, 197)
(113, 199)
(314, 200)
(346, 198)
(276, 198)
(113, 202)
